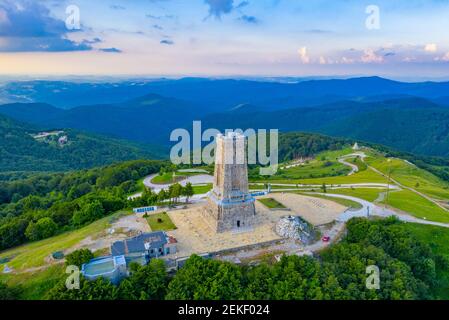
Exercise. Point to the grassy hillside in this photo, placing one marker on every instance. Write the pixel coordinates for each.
(32, 255)
(35, 285)
(411, 176)
(324, 168)
(417, 206)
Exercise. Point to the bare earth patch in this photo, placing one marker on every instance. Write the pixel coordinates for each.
(314, 210)
(125, 227)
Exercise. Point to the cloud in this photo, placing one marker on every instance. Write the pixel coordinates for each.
(94, 40)
(117, 7)
(219, 7)
(317, 31)
(370, 56)
(158, 27)
(431, 47)
(165, 16)
(249, 19)
(111, 50)
(303, 55)
(27, 25)
(242, 4)
(444, 58)
(167, 42)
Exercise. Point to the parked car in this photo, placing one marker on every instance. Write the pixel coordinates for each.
(326, 239)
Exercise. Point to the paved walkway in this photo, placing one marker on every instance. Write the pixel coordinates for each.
(194, 180)
(354, 168)
(370, 209)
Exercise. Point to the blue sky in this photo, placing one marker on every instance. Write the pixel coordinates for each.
(226, 38)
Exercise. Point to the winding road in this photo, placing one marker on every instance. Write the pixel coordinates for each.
(354, 168)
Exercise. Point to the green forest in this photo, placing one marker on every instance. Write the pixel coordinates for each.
(19, 151)
(46, 204)
(408, 270)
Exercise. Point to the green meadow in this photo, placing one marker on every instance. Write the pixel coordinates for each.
(33, 254)
(271, 203)
(368, 194)
(417, 206)
(160, 222)
(412, 176)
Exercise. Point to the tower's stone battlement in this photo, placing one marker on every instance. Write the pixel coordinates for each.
(230, 206)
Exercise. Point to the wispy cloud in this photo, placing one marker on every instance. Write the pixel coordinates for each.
(111, 50)
(217, 8)
(117, 7)
(167, 42)
(249, 19)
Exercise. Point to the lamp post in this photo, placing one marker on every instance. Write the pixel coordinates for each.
(389, 181)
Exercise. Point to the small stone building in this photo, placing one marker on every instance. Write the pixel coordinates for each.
(144, 247)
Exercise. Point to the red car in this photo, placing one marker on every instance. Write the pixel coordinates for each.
(325, 239)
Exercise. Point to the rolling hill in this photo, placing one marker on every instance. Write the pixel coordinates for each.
(410, 124)
(148, 119)
(20, 150)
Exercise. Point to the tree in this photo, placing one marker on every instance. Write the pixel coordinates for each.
(175, 191)
(100, 289)
(324, 188)
(89, 212)
(349, 263)
(162, 196)
(12, 233)
(79, 257)
(145, 282)
(32, 203)
(79, 190)
(62, 212)
(9, 293)
(206, 279)
(188, 191)
(43, 228)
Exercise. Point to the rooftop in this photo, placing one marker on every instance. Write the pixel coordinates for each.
(140, 243)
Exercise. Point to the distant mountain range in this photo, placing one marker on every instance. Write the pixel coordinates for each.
(218, 94)
(412, 117)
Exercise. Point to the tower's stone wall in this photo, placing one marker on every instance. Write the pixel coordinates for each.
(230, 206)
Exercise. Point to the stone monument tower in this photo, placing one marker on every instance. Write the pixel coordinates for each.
(230, 206)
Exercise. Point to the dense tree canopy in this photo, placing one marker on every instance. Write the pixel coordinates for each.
(9, 293)
(339, 273)
(42, 205)
(79, 257)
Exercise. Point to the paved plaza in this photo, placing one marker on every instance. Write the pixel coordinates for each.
(194, 235)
